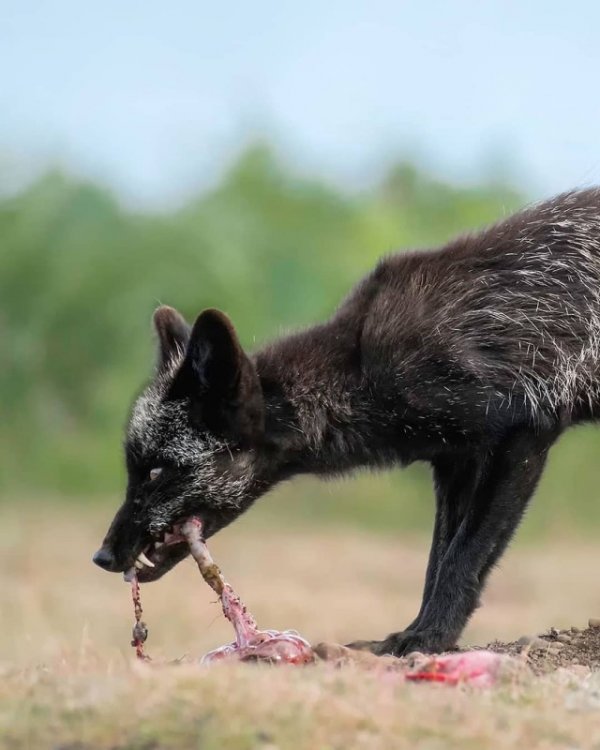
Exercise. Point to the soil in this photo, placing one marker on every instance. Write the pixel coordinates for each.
(575, 649)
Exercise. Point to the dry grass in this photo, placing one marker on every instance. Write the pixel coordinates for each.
(69, 680)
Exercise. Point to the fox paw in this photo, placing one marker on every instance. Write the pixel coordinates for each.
(407, 641)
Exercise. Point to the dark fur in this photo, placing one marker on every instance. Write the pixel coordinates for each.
(473, 357)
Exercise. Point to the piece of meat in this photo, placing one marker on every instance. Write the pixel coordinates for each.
(250, 644)
(479, 668)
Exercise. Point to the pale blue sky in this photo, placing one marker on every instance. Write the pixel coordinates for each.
(151, 97)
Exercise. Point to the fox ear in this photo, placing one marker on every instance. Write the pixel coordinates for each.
(220, 379)
(173, 335)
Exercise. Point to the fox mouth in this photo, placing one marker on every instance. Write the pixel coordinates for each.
(156, 550)
(166, 549)
(160, 555)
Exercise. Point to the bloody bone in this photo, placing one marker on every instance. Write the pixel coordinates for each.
(250, 644)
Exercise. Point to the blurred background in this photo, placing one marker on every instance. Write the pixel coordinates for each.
(258, 157)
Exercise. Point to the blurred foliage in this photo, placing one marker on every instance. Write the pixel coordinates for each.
(80, 277)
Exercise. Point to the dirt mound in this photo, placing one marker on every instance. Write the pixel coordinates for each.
(576, 649)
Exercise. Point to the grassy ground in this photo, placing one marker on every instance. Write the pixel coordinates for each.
(69, 681)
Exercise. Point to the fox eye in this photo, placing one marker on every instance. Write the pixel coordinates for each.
(155, 473)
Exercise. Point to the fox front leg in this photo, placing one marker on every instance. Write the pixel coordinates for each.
(503, 490)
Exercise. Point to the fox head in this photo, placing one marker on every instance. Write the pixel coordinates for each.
(193, 444)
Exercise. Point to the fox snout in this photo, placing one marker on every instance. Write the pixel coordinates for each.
(129, 544)
(119, 546)
(105, 559)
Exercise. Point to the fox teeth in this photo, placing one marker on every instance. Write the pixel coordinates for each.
(143, 560)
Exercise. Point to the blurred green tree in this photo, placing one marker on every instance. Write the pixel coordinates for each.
(79, 278)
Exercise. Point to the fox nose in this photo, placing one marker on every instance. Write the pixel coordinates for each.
(104, 558)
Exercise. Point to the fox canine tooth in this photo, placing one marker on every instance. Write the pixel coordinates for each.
(139, 565)
(143, 559)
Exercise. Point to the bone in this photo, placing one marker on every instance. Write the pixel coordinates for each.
(251, 644)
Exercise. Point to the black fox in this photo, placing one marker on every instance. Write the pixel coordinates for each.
(473, 357)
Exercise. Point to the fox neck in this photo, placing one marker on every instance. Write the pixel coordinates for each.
(320, 415)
